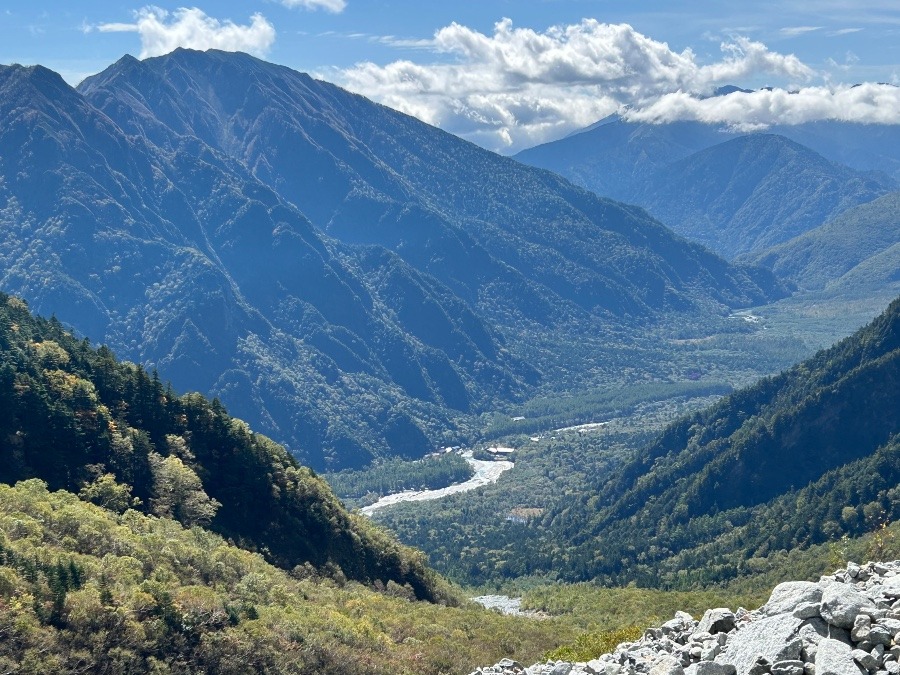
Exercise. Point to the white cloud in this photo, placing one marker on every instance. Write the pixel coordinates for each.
(794, 31)
(161, 32)
(869, 103)
(335, 6)
(518, 87)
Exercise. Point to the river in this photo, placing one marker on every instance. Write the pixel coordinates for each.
(486, 472)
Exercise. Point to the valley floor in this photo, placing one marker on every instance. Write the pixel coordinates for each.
(486, 472)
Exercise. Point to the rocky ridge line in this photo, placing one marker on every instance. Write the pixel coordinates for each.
(847, 623)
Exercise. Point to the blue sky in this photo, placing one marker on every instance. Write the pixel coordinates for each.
(511, 73)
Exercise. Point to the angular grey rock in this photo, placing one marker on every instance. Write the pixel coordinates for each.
(509, 663)
(719, 620)
(834, 658)
(667, 665)
(711, 652)
(862, 625)
(842, 603)
(710, 668)
(890, 624)
(598, 667)
(865, 659)
(880, 635)
(774, 638)
(791, 667)
(890, 588)
(762, 667)
(790, 595)
(809, 610)
(769, 641)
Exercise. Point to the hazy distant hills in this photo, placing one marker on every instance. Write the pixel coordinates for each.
(753, 192)
(735, 192)
(613, 156)
(186, 210)
(859, 248)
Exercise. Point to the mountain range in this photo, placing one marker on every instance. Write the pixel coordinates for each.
(347, 279)
(857, 249)
(359, 284)
(795, 460)
(738, 193)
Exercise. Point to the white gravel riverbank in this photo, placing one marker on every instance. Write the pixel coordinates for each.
(486, 472)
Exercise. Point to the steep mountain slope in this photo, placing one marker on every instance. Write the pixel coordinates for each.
(77, 419)
(734, 490)
(505, 238)
(797, 459)
(182, 260)
(613, 156)
(88, 590)
(646, 164)
(753, 192)
(158, 209)
(858, 241)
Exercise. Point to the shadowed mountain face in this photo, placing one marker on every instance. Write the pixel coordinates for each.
(735, 193)
(187, 210)
(182, 260)
(487, 227)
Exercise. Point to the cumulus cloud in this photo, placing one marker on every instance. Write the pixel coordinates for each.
(334, 6)
(517, 86)
(869, 103)
(162, 32)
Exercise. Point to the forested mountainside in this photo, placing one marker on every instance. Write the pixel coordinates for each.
(162, 209)
(499, 234)
(77, 419)
(86, 590)
(861, 247)
(735, 192)
(799, 459)
(185, 262)
(754, 192)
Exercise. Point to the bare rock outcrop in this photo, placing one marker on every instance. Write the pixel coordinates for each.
(847, 623)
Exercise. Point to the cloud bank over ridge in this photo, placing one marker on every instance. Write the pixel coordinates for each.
(518, 87)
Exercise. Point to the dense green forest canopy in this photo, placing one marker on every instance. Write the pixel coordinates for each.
(79, 420)
(84, 589)
(798, 460)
